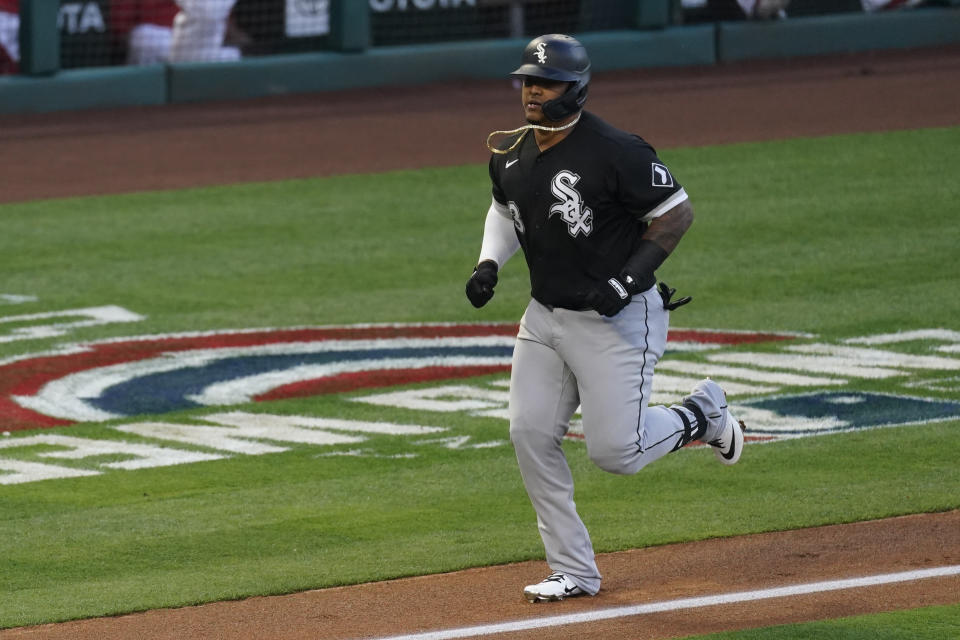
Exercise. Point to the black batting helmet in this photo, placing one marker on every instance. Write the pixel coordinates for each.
(558, 57)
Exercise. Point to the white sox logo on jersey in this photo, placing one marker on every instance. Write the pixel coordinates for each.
(541, 53)
(515, 212)
(578, 217)
(661, 176)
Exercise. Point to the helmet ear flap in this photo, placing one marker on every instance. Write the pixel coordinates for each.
(566, 105)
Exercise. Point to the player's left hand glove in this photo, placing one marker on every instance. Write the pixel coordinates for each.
(481, 283)
(609, 298)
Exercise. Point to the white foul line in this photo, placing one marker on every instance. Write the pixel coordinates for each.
(682, 603)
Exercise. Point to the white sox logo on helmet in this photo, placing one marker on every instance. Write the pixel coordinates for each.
(541, 53)
(578, 217)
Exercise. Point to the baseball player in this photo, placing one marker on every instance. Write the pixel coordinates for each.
(595, 212)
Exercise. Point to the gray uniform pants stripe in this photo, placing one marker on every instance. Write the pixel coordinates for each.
(568, 358)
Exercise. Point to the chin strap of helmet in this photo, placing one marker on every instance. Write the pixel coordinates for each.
(525, 129)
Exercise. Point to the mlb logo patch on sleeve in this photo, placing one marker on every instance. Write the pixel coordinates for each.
(661, 175)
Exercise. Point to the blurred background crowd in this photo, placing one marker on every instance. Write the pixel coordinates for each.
(142, 32)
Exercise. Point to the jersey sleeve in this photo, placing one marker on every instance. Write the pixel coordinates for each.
(647, 187)
(498, 195)
(500, 240)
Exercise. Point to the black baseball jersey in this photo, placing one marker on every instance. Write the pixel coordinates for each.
(578, 207)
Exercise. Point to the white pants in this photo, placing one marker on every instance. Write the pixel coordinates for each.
(568, 358)
(149, 44)
(198, 32)
(10, 34)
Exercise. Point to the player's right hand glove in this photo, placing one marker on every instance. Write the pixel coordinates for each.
(481, 283)
(608, 298)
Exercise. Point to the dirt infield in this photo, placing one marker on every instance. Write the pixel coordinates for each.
(179, 146)
(124, 150)
(492, 595)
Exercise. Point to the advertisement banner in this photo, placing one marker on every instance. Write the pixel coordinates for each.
(307, 18)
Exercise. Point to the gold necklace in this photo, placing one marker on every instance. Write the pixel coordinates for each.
(526, 128)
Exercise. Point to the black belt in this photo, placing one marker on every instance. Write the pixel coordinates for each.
(568, 307)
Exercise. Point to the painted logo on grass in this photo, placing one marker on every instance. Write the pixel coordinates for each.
(786, 388)
(821, 413)
(159, 374)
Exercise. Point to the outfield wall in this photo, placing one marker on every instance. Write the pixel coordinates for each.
(418, 64)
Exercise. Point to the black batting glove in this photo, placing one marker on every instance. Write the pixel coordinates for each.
(666, 292)
(481, 283)
(609, 298)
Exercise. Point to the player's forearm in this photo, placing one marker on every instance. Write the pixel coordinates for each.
(661, 238)
(499, 238)
(667, 230)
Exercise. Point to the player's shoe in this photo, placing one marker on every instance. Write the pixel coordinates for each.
(724, 432)
(554, 588)
(729, 444)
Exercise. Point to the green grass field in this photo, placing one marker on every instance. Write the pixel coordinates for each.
(930, 623)
(839, 237)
